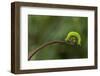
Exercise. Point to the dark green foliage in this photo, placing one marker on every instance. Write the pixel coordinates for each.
(42, 29)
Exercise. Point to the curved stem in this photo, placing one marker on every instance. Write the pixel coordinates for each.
(44, 45)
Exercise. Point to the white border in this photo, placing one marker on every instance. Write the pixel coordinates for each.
(25, 64)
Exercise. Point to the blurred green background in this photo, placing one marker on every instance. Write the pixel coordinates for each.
(42, 29)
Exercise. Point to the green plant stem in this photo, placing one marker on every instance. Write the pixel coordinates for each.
(43, 46)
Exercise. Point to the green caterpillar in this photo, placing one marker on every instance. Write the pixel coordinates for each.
(73, 38)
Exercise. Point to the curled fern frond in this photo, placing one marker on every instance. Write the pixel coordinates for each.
(73, 38)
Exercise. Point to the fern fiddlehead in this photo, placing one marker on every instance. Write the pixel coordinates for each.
(73, 38)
